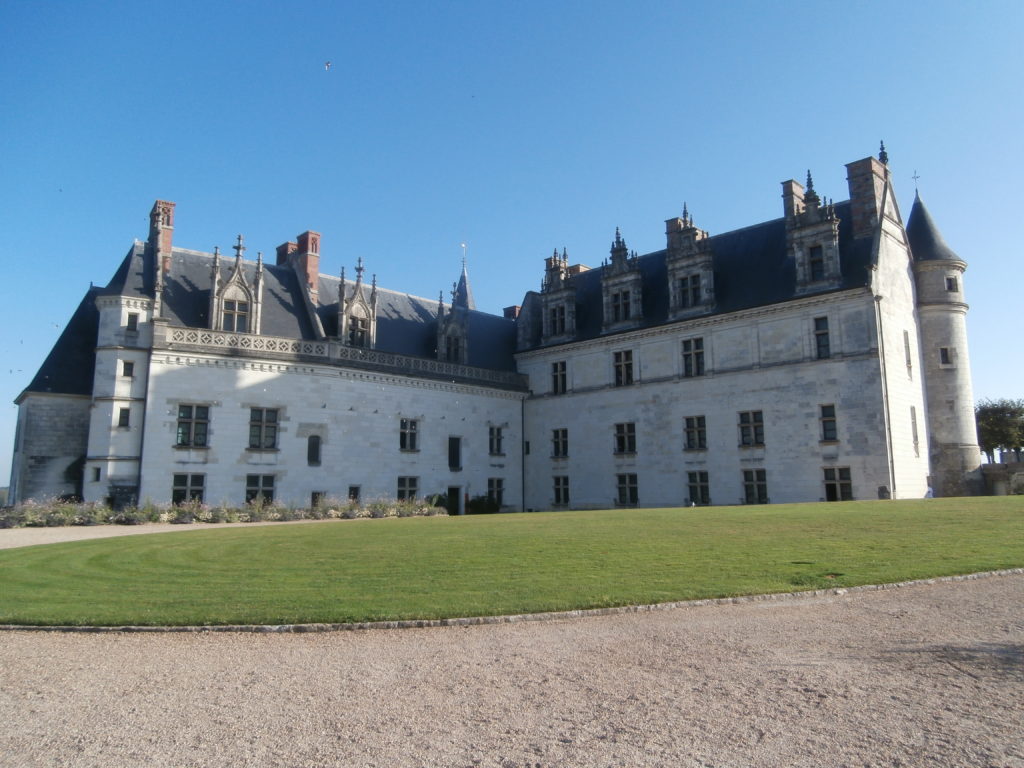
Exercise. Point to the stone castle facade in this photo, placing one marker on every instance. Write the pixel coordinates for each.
(818, 356)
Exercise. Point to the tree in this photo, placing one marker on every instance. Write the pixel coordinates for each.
(1000, 425)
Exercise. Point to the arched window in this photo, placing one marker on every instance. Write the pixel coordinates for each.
(236, 312)
(358, 331)
(313, 450)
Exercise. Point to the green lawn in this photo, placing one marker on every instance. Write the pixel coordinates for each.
(343, 571)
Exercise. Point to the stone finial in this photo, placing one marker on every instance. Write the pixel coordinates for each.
(883, 156)
(239, 248)
(810, 183)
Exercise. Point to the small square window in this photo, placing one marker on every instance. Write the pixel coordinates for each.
(127, 369)
(945, 356)
(353, 493)
(124, 417)
(952, 284)
(95, 474)
(259, 488)
(133, 322)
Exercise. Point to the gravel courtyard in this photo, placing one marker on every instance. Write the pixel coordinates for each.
(923, 675)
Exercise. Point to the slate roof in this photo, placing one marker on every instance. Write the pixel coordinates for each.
(752, 268)
(69, 368)
(406, 324)
(926, 242)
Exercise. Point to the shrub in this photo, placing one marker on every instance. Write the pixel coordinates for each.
(482, 505)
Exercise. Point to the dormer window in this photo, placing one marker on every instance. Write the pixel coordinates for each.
(557, 317)
(236, 316)
(453, 348)
(816, 262)
(620, 306)
(358, 331)
(689, 291)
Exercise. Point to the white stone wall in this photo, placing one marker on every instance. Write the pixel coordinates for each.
(355, 413)
(893, 285)
(759, 360)
(51, 435)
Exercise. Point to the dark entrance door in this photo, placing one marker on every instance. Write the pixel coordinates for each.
(454, 495)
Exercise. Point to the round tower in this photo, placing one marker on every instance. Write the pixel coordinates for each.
(942, 320)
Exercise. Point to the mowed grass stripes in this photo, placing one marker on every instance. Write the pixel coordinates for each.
(346, 571)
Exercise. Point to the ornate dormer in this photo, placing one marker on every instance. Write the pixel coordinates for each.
(621, 288)
(357, 316)
(235, 305)
(812, 237)
(558, 299)
(691, 268)
(453, 325)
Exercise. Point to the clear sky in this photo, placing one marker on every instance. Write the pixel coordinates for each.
(514, 127)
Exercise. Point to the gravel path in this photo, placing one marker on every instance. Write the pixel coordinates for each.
(925, 675)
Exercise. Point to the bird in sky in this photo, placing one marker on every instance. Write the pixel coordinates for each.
(327, 66)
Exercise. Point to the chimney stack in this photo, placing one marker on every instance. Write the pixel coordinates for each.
(161, 233)
(307, 262)
(284, 250)
(866, 179)
(792, 199)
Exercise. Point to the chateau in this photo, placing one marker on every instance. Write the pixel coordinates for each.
(818, 356)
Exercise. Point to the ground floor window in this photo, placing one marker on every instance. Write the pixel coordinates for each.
(838, 485)
(561, 490)
(259, 487)
(408, 487)
(317, 499)
(627, 493)
(755, 486)
(353, 493)
(699, 488)
(496, 490)
(188, 488)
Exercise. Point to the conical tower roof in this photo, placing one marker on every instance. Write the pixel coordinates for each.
(463, 295)
(926, 242)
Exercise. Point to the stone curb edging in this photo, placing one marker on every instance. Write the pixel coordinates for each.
(471, 621)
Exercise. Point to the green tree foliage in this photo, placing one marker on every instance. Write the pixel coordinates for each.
(1000, 425)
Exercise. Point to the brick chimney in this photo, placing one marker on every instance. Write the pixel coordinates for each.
(307, 262)
(792, 199)
(511, 313)
(284, 250)
(867, 183)
(161, 233)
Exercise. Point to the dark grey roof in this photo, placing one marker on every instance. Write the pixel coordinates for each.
(926, 242)
(407, 325)
(752, 268)
(69, 368)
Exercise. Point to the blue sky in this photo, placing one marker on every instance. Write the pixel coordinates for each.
(513, 127)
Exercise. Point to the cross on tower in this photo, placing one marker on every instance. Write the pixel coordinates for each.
(239, 247)
(915, 177)
(359, 269)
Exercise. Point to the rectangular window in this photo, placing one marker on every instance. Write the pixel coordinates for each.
(313, 450)
(236, 316)
(259, 488)
(557, 317)
(620, 306)
(187, 488)
(496, 490)
(689, 291)
(494, 440)
(626, 487)
(561, 490)
(751, 428)
(821, 343)
(913, 430)
(133, 322)
(699, 488)
(625, 438)
(838, 486)
(353, 493)
(193, 425)
(95, 474)
(454, 453)
(407, 435)
(263, 428)
(560, 443)
(128, 369)
(558, 378)
(755, 486)
(829, 431)
(623, 368)
(945, 356)
(124, 417)
(453, 349)
(693, 357)
(952, 284)
(408, 487)
(817, 263)
(359, 332)
(316, 499)
(696, 433)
